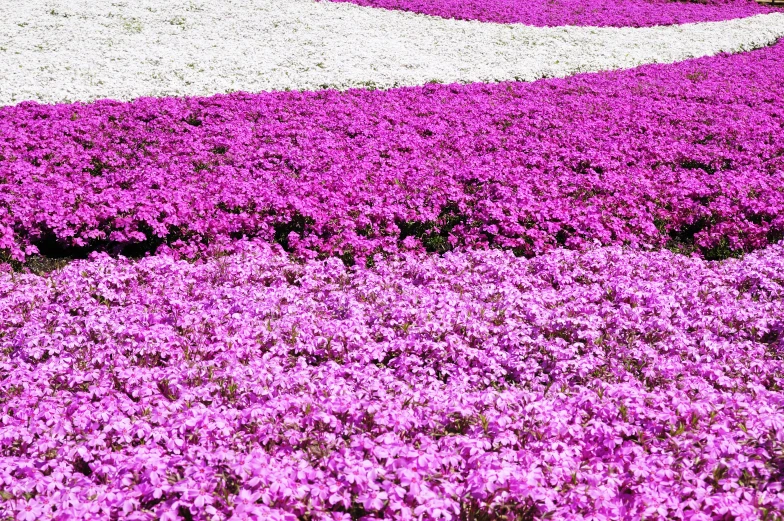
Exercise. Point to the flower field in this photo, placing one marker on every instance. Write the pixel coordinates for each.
(689, 155)
(200, 48)
(618, 13)
(350, 264)
(622, 383)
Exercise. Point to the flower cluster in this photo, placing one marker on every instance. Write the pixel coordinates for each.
(582, 385)
(602, 13)
(690, 155)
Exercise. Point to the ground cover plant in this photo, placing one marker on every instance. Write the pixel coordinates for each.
(549, 13)
(468, 302)
(195, 47)
(607, 384)
(688, 156)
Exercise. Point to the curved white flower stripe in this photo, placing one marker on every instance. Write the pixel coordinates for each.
(84, 50)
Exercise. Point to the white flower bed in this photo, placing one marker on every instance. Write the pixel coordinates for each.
(88, 49)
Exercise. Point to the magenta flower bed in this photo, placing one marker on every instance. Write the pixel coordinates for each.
(688, 155)
(600, 385)
(548, 13)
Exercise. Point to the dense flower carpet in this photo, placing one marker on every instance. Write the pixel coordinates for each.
(688, 153)
(429, 298)
(199, 48)
(613, 13)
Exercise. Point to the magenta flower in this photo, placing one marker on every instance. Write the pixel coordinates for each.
(615, 13)
(684, 156)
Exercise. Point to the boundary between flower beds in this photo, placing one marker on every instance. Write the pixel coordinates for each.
(268, 45)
